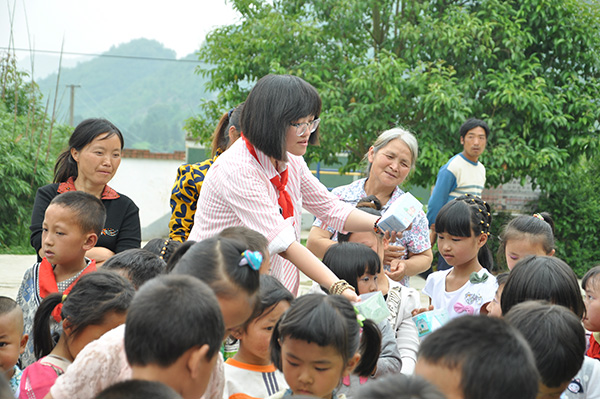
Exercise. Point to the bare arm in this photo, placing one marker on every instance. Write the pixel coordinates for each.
(310, 265)
(319, 241)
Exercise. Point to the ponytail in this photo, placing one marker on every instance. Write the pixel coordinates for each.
(91, 298)
(42, 337)
(176, 256)
(370, 349)
(65, 167)
(220, 140)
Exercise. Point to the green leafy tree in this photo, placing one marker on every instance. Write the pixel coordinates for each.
(531, 68)
(28, 152)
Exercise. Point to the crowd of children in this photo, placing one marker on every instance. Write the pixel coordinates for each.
(213, 319)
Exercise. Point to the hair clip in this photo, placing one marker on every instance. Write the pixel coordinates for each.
(163, 251)
(537, 215)
(482, 232)
(251, 258)
(359, 317)
(231, 111)
(64, 298)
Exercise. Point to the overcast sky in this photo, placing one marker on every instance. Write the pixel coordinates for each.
(94, 26)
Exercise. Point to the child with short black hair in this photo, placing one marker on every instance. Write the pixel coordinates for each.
(173, 333)
(72, 224)
(138, 389)
(136, 265)
(318, 341)
(254, 241)
(12, 341)
(551, 279)
(527, 235)
(251, 371)
(557, 339)
(400, 387)
(591, 285)
(476, 357)
(97, 303)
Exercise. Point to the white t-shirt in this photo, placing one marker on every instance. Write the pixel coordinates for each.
(468, 299)
(586, 384)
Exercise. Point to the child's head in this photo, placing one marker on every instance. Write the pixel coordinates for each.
(527, 235)
(97, 303)
(163, 248)
(543, 278)
(12, 339)
(356, 263)
(318, 341)
(376, 242)
(494, 309)
(138, 389)
(72, 224)
(399, 386)
(228, 130)
(591, 285)
(557, 339)
(453, 358)
(470, 217)
(174, 324)
(254, 241)
(273, 300)
(136, 265)
(220, 263)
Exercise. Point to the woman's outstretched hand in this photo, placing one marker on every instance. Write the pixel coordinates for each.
(421, 310)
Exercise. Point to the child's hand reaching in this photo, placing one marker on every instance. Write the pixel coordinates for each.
(421, 310)
(393, 252)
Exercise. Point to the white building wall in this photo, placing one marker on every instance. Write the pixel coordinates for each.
(148, 182)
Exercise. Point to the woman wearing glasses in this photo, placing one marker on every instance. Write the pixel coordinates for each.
(262, 182)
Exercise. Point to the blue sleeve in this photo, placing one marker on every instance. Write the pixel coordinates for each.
(444, 185)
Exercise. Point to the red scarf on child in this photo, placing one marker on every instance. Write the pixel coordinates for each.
(47, 281)
(285, 201)
(594, 349)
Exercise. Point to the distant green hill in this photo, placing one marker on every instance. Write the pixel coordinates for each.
(148, 100)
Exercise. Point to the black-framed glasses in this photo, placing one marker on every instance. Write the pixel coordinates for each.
(311, 126)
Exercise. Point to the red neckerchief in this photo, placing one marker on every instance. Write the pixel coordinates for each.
(69, 185)
(285, 201)
(594, 350)
(47, 281)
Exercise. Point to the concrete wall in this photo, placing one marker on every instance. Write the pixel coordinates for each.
(148, 183)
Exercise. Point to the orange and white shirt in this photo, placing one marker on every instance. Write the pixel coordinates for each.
(249, 381)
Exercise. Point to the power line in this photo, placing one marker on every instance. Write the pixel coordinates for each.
(133, 57)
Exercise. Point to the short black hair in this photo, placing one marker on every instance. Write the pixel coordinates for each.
(273, 104)
(523, 225)
(271, 292)
(328, 320)
(216, 261)
(466, 216)
(7, 305)
(164, 248)
(502, 278)
(471, 124)
(92, 297)
(592, 276)
(88, 211)
(399, 386)
(350, 260)
(138, 389)
(556, 337)
(139, 265)
(168, 316)
(466, 343)
(545, 278)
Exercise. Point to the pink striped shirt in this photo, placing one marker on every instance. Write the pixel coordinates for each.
(237, 191)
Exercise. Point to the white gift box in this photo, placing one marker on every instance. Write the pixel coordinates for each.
(400, 214)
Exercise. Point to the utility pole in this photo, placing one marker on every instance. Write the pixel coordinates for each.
(72, 104)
